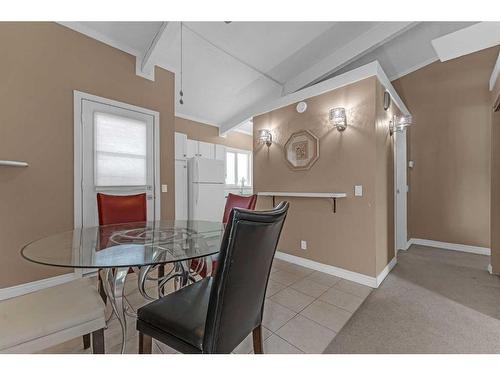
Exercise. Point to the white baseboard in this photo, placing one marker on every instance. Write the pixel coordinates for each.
(451, 246)
(409, 243)
(19, 290)
(382, 275)
(370, 281)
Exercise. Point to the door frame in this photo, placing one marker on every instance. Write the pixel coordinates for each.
(78, 98)
(400, 223)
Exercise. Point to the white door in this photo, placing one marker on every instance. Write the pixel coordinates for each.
(181, 190)
(118, 155)
(206, 150)
(180, 146)
(191, 148)
(401, 190)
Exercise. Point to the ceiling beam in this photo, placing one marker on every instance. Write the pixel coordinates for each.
(468, 40)
(364, 43)
(163, 39)
(352, 76)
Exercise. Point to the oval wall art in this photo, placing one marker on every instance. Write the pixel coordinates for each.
(302, 150)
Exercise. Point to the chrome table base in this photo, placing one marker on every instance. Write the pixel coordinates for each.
(113, 280)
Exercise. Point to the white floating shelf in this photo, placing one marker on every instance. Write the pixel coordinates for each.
(13, 163)
(302, 195)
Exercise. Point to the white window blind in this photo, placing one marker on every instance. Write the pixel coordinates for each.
(120, 150)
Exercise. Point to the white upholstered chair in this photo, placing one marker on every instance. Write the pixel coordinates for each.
(48, 317)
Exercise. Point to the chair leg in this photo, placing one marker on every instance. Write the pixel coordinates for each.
(86, 341)
(257, 340)
(98, 341)
(145, 344)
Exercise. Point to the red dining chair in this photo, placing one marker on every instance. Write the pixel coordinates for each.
(119, 209)
(233, 201)
(116, 209)
(238, 201)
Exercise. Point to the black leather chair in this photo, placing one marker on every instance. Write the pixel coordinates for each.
(215, 314)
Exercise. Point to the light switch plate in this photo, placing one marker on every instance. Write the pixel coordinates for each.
(358, 190)
(303, 245)
(164, 188)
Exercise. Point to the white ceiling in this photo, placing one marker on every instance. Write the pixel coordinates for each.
(409, 51)
(228, 68)
(134, 36)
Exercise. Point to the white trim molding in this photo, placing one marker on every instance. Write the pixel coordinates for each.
(382, 275)
(373, 282)
(19, 290)
(450, 246)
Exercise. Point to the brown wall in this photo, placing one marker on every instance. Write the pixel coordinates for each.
(43, 63)
(495, 179)
(345, 239)
(449, 198)
(207, 133)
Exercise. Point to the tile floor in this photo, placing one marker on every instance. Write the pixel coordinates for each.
(303, 312)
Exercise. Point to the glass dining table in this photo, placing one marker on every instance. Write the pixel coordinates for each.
(113, 250)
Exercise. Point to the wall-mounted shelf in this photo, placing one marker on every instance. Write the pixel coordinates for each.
(13, 163)
(332, 196)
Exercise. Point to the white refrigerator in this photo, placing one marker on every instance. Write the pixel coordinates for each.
(206, 182)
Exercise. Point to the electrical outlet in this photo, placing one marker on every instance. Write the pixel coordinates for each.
(303, 245)
(164, 188)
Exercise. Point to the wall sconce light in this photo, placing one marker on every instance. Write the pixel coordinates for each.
(265, 137)
(399, 124)
(337, 117)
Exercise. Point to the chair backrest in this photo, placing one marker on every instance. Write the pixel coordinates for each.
(239, 286)
(238, 201)
(118, 209)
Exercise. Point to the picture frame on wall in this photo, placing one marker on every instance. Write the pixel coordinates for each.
(301, 150)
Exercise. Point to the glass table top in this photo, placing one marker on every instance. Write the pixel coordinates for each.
(127, 245)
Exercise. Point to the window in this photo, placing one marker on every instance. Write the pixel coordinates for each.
(238, 167)
(120, 151)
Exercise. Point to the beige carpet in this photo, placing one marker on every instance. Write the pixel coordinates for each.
(434, 301)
